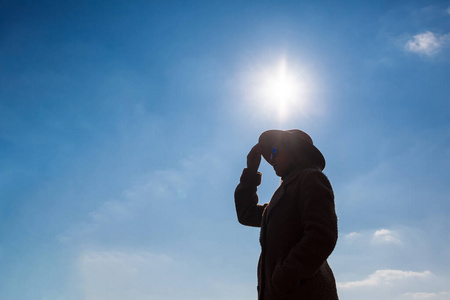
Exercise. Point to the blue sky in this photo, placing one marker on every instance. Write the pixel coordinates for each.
(125, 125)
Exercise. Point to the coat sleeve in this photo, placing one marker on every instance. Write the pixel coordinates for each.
(246, 199)
(319, 235)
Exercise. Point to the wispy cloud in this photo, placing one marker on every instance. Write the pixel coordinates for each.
(427, 43)
(145, 206)
(386, 236)
(396, 285)
(434, 296)
(384, 277)
(352, 235)
(391, 188)
(140, 275)
(377, 237)
(124, 274)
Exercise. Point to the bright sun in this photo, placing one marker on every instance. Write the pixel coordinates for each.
(280, 90)
(280, 86)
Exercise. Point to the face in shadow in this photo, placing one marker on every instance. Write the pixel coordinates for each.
(281, 160)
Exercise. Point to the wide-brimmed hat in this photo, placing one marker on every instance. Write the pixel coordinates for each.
(299, 142)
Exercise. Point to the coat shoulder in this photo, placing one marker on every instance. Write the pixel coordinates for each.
(315, 178)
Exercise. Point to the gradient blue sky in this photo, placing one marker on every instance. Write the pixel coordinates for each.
(125, 125)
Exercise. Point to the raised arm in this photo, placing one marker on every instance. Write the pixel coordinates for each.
(248, 211)
(246, 200)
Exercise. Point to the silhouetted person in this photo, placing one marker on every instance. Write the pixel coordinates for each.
(298, 225)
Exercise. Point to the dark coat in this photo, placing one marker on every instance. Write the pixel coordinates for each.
(298, 233)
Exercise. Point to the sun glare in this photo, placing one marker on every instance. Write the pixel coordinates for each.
(280, 87)
(279, 90)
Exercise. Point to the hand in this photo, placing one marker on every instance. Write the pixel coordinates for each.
(254, 158)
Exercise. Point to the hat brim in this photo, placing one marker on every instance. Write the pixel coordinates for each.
(303, 148)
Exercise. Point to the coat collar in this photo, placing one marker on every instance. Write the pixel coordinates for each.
(279, 193)
(291, 176)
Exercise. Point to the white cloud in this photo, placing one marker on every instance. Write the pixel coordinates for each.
(377, 237)
(434, 296)
(386, 236)
(388, 195)
(352, 235)
(383, 277)
(427, 43)
(395, 285)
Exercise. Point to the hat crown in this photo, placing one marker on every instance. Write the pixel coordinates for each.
(302, 135)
